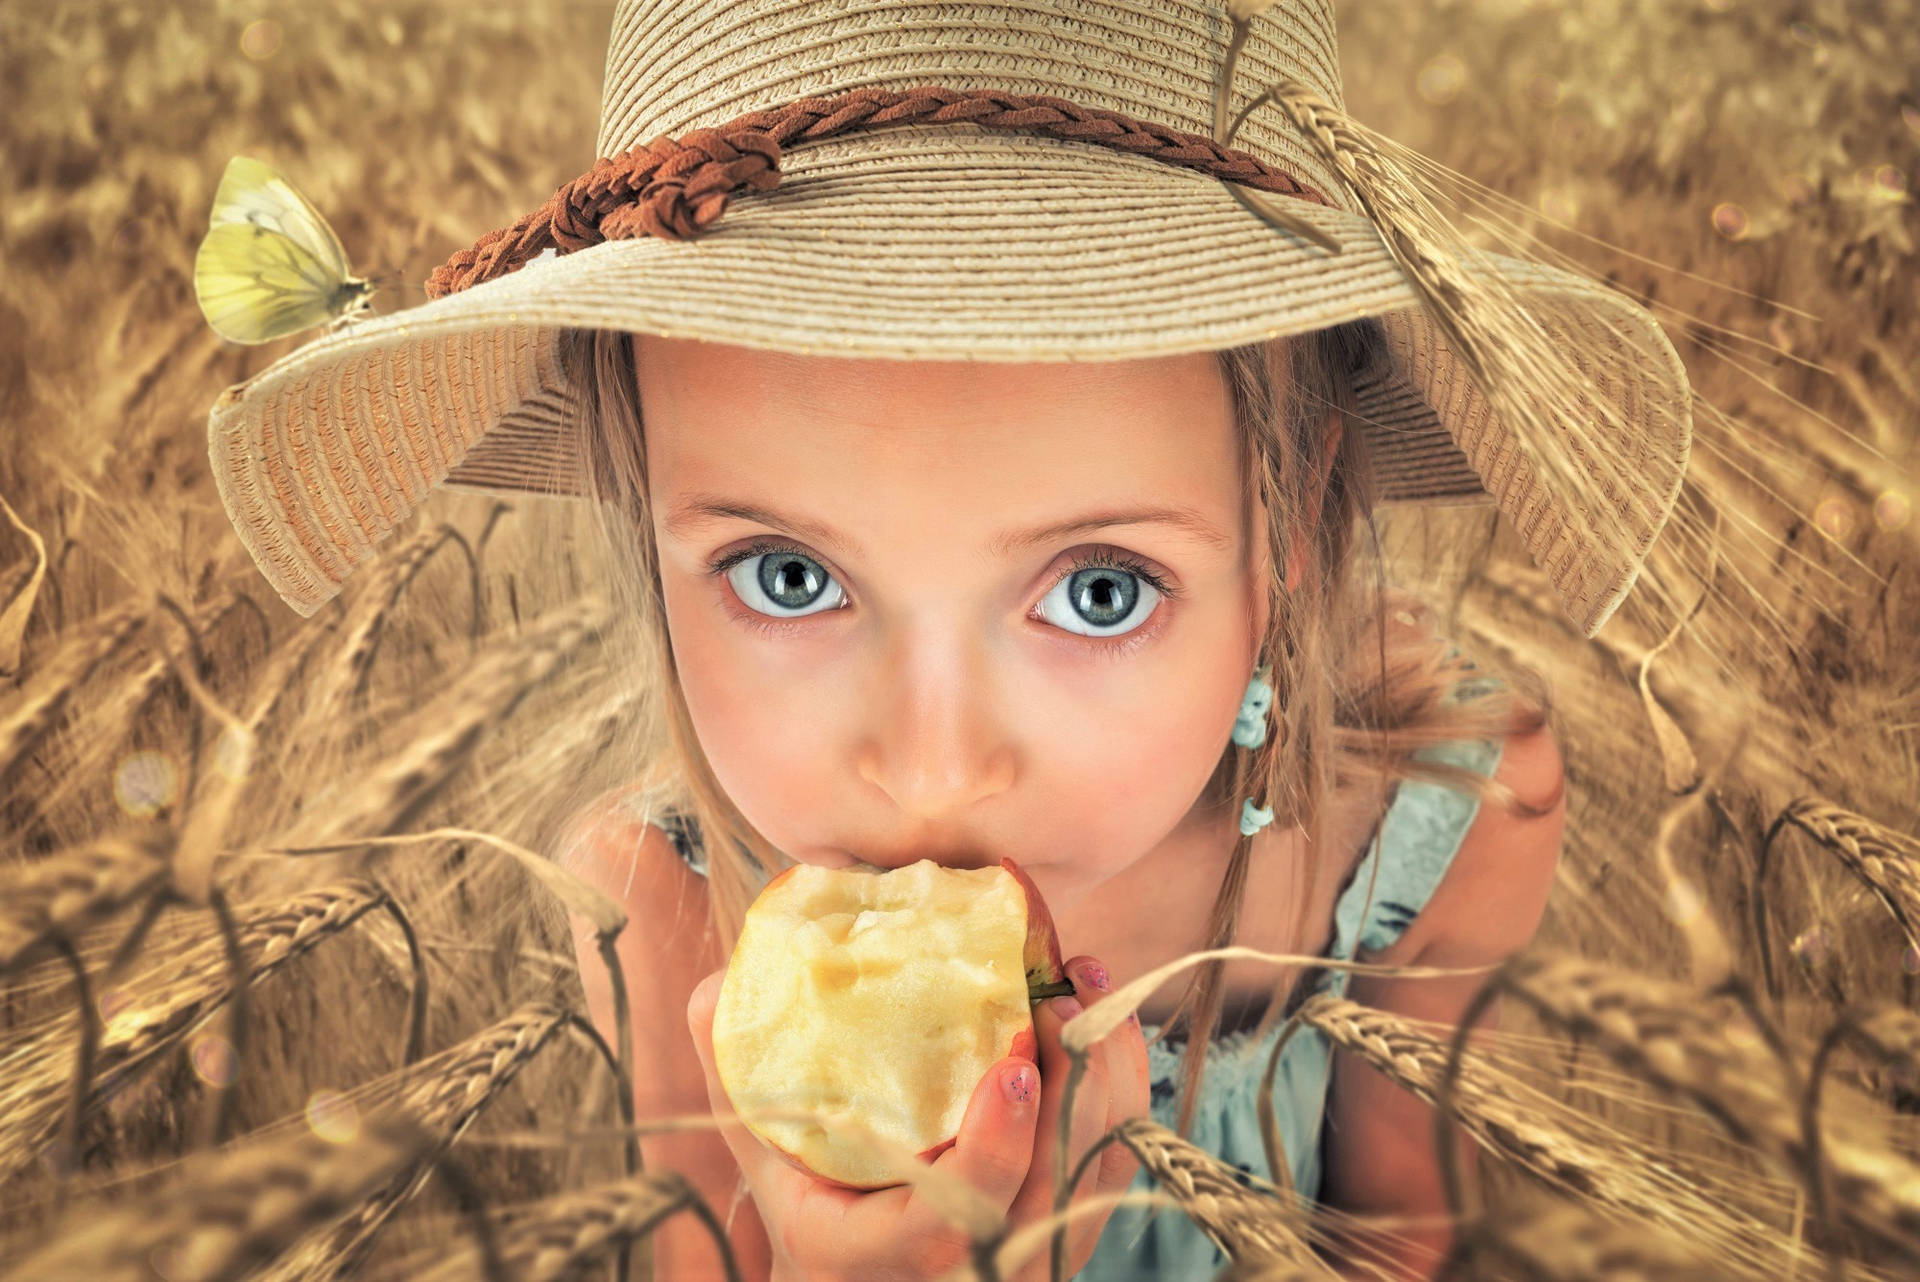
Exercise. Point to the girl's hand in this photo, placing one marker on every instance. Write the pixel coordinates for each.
(821, 1233)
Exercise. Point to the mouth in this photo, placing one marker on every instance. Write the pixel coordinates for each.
(964, 859)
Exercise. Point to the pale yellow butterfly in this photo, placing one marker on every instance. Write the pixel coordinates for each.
(270, 266)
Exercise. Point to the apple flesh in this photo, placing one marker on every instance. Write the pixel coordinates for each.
(880, 996)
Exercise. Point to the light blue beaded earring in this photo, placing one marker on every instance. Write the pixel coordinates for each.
(1250, 727)
(1250, 731)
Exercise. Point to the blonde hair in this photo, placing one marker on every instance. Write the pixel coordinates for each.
(1353, 699)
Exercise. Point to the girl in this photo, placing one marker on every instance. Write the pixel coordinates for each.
(866, 661)
(989, 475)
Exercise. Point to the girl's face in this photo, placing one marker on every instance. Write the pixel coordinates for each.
(950, 609)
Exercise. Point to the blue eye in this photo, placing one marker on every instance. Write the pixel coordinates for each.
(782, 583)
(1103, 592)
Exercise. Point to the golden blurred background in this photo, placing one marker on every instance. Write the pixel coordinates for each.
(1746, 169)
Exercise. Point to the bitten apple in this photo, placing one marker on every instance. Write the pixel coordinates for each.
(883, 996)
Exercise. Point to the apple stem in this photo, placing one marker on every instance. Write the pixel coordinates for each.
(1039, 992)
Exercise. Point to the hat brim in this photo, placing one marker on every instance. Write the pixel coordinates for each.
(930, 243)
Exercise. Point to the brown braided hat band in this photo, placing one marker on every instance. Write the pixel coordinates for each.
(1002, 180)
(674, 189)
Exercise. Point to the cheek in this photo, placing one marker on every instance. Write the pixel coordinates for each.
(754, 710)
(1117, 755)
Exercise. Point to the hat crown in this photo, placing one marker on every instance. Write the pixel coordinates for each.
(674, 66)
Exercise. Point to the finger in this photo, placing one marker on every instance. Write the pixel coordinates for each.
(1035, 1200)
(806, 1219)
(748, 1152)
(1129, 1085)
(993, 1149)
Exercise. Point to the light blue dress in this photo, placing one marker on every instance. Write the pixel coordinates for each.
(1419, 832)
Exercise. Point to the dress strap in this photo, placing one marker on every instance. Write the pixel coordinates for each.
(1413, 845)
(684, 832)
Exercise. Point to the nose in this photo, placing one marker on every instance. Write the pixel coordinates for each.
(935, 741)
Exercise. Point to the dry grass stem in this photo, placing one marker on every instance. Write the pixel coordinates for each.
(160, 1007)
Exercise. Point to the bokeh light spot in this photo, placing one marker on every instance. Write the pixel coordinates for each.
(1730, 220)
(144, 782)
(333, 1117)
(1812, 945)
(233, 753)
(1892, 510)
(1834, 517)
(1441, 79)
(1559, 204)
(213, 1059)
(1890, 178)
(260, 39)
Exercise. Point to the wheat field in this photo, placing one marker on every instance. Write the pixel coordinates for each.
(287, 989)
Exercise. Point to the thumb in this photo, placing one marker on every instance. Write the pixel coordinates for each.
(700, 1007)
(995, 1145)
(701, 1004)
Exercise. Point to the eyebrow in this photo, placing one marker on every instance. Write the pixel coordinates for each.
(703, 509)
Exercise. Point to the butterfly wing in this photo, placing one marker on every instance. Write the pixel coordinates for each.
(256, 285)
(252, 191)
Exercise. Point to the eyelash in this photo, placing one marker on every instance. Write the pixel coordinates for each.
(1104, 559)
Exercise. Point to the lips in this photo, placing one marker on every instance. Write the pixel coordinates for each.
(945, 858)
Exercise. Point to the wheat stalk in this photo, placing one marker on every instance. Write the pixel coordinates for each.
(1886, 860)
(394, 793)
(1617, 1174)
(560, 1237)
(117, 710)
(446, 1093)
(1248, 1218)
(45, 696)
(1561, 1243)
(61, 895)
(1669, 1035)
(227, 1213)
(167, 1002)
(352, 663)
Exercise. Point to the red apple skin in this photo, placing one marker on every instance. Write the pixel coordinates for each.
(1044, 962)
(926, 1155)
(1044, 965)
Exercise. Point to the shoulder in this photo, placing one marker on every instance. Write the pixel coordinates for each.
(1491, 899)
(642, 864)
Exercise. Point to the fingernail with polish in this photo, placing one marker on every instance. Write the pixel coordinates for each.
(1094, 975)
(1019, 1084)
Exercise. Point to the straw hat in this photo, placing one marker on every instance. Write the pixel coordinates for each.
(1023, 180)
